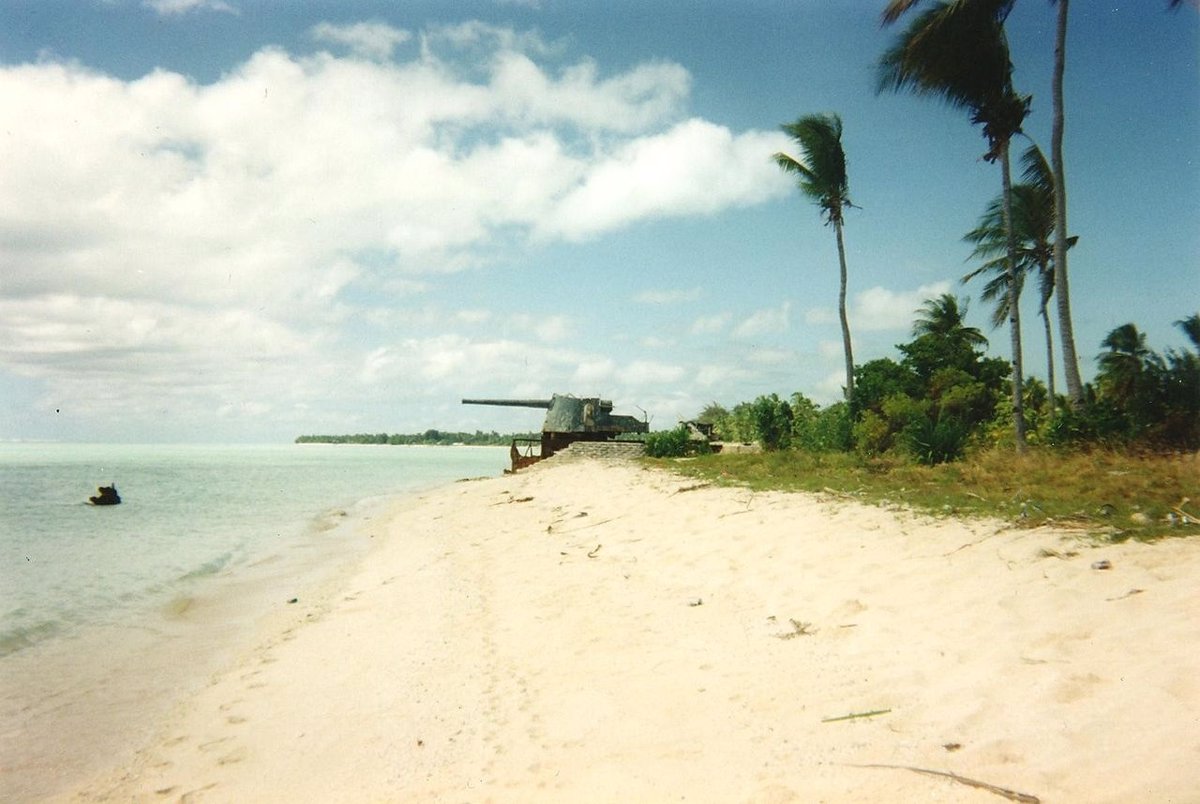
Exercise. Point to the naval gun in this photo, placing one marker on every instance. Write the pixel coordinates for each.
(568, 419)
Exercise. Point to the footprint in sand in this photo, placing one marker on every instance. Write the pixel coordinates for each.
(211, 744)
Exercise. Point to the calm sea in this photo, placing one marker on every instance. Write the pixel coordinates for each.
(91, 596)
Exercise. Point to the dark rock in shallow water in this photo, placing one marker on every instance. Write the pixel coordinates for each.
(107, 496)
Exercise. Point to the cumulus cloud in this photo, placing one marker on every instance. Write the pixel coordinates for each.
(668, 295)
(710, 324)
(879, 308)
(687, 170)
(170, 7)
(240, 243)
(764, 322)
(373, 40)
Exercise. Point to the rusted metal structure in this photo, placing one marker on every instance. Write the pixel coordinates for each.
(568, 419)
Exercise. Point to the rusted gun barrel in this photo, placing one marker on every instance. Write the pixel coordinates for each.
(543, 404)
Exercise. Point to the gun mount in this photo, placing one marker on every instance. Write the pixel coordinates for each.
(568, 419)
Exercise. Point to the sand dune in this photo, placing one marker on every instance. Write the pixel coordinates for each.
(608, 633)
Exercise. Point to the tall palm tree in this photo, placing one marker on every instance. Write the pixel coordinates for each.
(821, 175)
(957, 51)
(1034, 224)
(1066, 329)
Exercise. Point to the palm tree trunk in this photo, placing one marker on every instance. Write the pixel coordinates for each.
(1066, 330)
(837, 227)
(1014, 307)
(1049, 357)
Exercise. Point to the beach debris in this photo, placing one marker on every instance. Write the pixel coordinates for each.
(693, 487)
(595, 551)
(1003, 792)
(1130, 593)
(952, 747)
(1187, 518)
(294, 600)
(106, 495)
(856, 716)
(798, 629)
(696, 601)
(1047, 552)
(1102, 564)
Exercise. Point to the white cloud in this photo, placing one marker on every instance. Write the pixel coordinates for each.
(668, 295)
(710, 325)
(879, 308)
(594, 372)
(695, 168)
(765, 322)
(169, 7)
(373, 40)
(650, 372)
(159, 233)
(830, 389)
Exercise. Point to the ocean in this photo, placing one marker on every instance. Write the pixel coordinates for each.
(109, 611)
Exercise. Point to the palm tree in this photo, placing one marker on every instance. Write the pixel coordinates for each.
(1125, 366)
(1061, 241)
(957, 51)
(1191, 328)
(821, 175)
(1034, 223)
(945, 318)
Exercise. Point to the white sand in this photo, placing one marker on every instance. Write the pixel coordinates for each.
(595, 633)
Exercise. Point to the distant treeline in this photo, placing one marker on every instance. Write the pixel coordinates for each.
(429, 437)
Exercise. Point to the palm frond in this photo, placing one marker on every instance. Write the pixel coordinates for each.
(1191, 328)
(821, 168)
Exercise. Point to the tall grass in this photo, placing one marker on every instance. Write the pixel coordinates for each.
(1109, 494)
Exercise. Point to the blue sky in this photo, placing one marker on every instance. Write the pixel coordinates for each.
(246, 220)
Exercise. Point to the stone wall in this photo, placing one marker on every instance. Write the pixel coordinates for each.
(601, 450)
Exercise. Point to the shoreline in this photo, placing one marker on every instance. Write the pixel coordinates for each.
(84, 702)
(613, 633)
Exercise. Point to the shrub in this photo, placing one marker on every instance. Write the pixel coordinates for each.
(772, 421)
(872, 436)
(826, 430)
(937, 442)
(673, 444)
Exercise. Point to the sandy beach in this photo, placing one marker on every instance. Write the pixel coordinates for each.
(608, 633)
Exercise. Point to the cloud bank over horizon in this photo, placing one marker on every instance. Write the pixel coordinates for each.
(276, 246)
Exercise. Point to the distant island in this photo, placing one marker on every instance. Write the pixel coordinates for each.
(427, 438)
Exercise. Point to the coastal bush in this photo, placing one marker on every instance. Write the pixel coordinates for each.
(772, 422)
(819, 430)
(675, 443)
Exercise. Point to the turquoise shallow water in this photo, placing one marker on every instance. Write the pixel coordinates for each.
(111, 616)
(190, 515)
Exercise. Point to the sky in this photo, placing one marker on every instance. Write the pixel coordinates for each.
(246, 220)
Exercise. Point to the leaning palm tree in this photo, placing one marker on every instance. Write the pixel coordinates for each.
(956, 51)
(821, 175)
(1033, 205)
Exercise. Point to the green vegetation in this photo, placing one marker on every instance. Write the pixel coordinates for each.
(1113, 495)
(675, 443)
(427, 438)
(934, 431)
